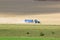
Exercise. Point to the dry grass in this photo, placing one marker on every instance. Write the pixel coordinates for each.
(47, 19)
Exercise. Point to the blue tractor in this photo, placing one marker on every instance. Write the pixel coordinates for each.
(31, 21)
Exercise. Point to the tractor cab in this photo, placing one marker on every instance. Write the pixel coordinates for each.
(36, 21)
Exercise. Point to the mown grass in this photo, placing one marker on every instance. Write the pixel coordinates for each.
(33, 32)
(24, 38)
(28, 26)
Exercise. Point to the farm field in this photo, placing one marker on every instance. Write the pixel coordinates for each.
(29, 32)
(14, 12)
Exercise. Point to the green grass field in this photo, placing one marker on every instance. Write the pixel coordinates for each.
(23, 38)
(29, 32)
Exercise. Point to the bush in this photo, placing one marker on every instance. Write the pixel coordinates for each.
(28, 33)
(53, 32)
(41, 34)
